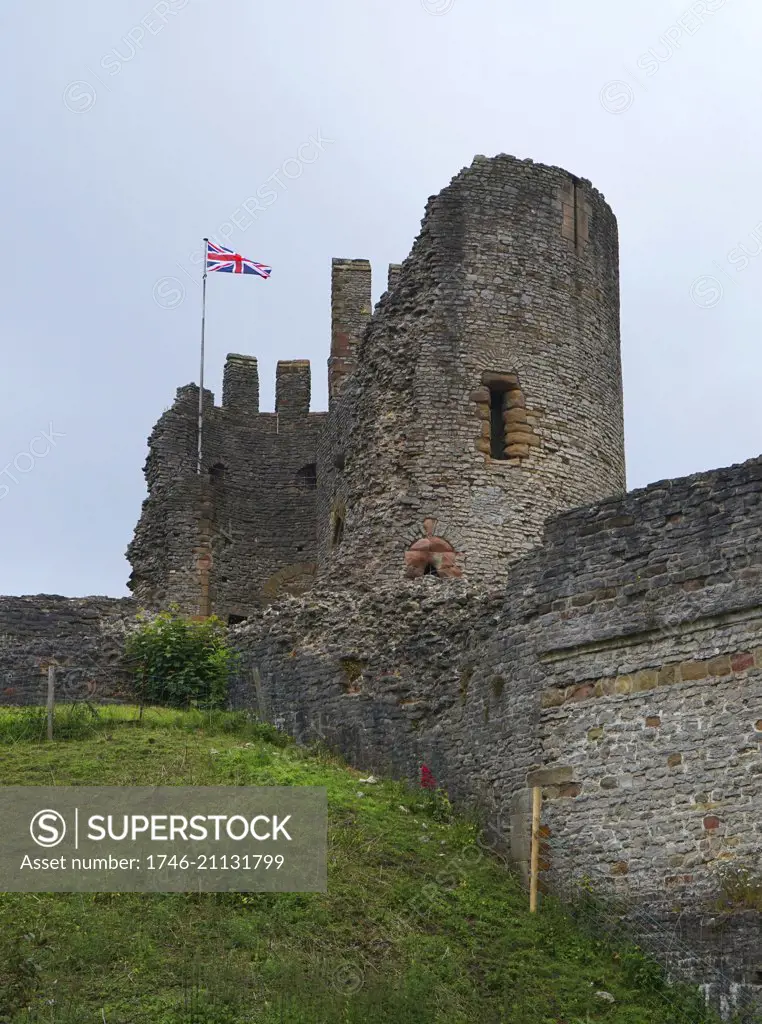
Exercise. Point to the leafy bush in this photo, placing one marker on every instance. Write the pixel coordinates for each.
(181, 662)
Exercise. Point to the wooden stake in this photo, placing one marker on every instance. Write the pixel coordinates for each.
(51, 698)
(535, 854)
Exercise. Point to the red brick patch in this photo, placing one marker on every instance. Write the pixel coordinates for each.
(711, 823)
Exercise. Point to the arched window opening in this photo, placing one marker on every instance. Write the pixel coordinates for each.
(217, 473)
(431, 556)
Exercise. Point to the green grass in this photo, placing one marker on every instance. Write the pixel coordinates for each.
(418, 925)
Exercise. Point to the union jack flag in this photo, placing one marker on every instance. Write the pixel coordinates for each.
(225, 261)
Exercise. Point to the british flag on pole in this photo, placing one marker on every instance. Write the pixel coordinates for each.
(219, 260)
(225, 261)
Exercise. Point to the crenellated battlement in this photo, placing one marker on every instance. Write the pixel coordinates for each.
(240, 384)
(292, 388)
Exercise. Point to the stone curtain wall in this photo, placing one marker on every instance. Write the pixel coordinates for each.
(85, 636)
(651, 654)
(500, 281)
(651, 657)
(424, 672)
(245, 531)
(620, 668)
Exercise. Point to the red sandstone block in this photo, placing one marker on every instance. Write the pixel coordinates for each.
(711, 823)
(740, 662)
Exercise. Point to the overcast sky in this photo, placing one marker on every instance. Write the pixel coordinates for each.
(131, 129)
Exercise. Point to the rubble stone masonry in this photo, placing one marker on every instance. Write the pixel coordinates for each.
(620, 668)
(487, 393)
(84, 637)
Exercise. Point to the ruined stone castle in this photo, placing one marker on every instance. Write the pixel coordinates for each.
(445, 567)
(480, 398)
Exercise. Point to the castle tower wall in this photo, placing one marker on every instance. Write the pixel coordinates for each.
(243, 531)
(487, 394)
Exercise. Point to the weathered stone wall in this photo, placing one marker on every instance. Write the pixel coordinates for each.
(507, 312)
(651, 654)
(619, 668)
(83, 636)
(482, 396)
(244, 530)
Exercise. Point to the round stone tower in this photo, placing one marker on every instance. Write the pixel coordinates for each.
(486, 393)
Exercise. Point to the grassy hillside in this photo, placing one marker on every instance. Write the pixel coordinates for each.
(373, 949)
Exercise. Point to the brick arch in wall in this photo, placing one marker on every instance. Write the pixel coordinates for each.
(431, 555)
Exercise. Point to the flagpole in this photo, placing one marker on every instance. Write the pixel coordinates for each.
(201, 373)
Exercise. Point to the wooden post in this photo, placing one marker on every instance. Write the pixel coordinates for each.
(51, 698)
(142, 691)
(535, 854)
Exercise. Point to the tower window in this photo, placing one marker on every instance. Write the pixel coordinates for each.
(497, 426)
(506, 427)
(217, 473)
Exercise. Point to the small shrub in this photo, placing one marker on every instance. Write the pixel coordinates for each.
(181, 662)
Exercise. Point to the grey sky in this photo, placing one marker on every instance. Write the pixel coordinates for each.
(111, 181)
